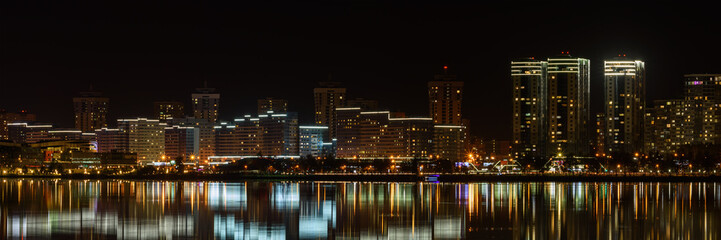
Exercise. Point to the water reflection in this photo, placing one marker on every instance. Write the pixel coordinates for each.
(65, 209)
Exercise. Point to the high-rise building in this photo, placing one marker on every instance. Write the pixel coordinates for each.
(445, 95)
(182, 143)
(529, 108)
(328, 96)
(625, 105)
(206, 103)
(702, 93)
(9, 117)
(568, 106)
(311, 140)
(273, 105)
(91, 110)
(267, 135)
(167, 110)
(146, 137)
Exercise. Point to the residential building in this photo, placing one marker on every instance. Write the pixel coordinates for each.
(327, 97)
(530, 101)
(146, 137)
(91, 110)
(10, 117)
(445, 95)
(625, 105)
(568, 106)
(206, 103)
(168, 110)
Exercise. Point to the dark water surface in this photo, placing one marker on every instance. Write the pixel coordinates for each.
(92, 209)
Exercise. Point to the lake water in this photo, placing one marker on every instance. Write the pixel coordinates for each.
(109, 209)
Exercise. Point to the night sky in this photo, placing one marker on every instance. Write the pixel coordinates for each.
(140, 53)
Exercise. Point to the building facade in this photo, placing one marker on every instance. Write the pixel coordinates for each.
(702, 93)
(206, 103)
(568, 106)
(91, 110)
(311, 141)
(445, 95)
(327, 97)
(448, 142)
(168, 110)
(10, 117)
(182, 143)
(377, 135)
(272, 105)
(625, 105)
(266, 135)
(205, 132)
(146, 137)
(529, 108)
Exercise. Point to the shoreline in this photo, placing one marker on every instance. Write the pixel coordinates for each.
(451, 178)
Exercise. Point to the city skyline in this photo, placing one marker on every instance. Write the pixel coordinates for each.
(167, 70)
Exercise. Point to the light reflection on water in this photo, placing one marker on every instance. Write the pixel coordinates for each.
(65, 209)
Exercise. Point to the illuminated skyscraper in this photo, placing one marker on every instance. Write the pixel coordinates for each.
(91, 110)
(272, 104)
(328, 97)
(206, 103)
(568, 106)
(166, 110)
(445, 95)
(702, 93)
(529, 108)
(625, 105)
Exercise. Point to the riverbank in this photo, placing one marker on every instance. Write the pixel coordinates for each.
(392, 177)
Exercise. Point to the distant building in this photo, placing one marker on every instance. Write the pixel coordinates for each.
(167, 110)
(445, 95)
(273, 105)
(266, 135)
(206, 103)
(600, 135)
(146, 137)
(91, 110)
(327, 97)
(182, 142)
(9, 117)
(702, 94)
(625, 104)
(111, 140)
(365, 104)
(666, 127)
(376, 135)
(530, 99)
(568, 106)
(311, 140)
(23, 132)
(205, 131)
(448, 142)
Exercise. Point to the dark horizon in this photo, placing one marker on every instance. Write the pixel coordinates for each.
(387, 52)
